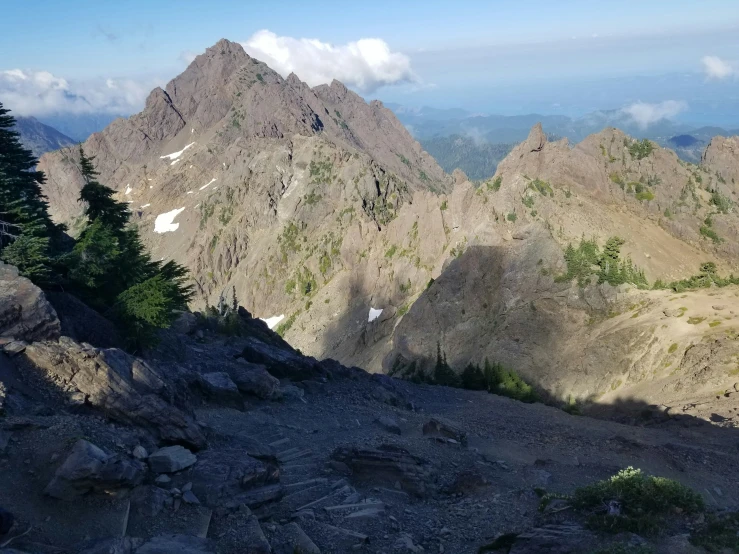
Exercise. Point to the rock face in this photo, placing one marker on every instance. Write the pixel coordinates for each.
(171, 459)
(722, 156)
(25, 314)
(127, 389)
(255, 379)
(387, 467)
(88, 468)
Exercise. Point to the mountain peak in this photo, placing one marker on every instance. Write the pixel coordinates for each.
(225, 46)
(536, 139)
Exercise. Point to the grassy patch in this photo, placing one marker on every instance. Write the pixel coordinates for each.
(695, 320)
(391, 251)
(633, 501)
(494, 185)
(672, 348)
(715, 323)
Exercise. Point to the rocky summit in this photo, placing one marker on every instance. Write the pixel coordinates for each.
(353, 308)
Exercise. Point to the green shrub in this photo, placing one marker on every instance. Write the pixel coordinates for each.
(495, 184)
(512, 217)
(285, 326)
(644, 195)
(505, 382)
(640, 149)
(639, 503)
(528, 201)
(707, 232)
(722, 203)
(719, 533)
(542, 187)
(443, 206)
(391, 251)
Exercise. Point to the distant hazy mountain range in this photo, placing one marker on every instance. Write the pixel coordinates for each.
(79, 126)
(442, 132)
(40, 138)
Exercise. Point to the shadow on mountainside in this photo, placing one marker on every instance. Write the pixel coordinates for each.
(502, 303)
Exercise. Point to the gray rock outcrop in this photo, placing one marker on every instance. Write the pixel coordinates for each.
(125, 388)
(88, 468)
(25, 313)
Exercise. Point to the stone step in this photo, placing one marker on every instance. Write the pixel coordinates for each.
(294, 454)
(337, 539)
(361, 505)
(279, 442)
(256, 497)
(292, 487)
(303, 497)
(287, 452)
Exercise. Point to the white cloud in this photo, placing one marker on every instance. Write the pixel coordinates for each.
(645, 114)
(366, 64)
(716, 68)
(41, 93)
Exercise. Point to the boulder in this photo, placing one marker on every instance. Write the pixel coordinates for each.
(125, 388)
(442, 429)
(387, 466)
(140, 453)
(291, 392)
(88, 468)
(219, 388)
(388, 423)
(185, 323)
(256, 542)
(171, 459)
(280, 361)
(254, 379)
(25, 313)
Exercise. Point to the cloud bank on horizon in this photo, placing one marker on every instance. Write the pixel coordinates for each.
(365, 65)
(645, 114)
(39, 93)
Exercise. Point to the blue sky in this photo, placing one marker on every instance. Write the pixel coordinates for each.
(493, 56)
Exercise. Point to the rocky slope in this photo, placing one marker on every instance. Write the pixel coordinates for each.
(328, 220)
(40, 138)
(225, 444)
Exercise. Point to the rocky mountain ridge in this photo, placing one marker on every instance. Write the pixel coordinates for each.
(327, 220)
(40, 138)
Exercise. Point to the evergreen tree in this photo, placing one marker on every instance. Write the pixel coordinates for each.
(99, 199)
(110, 268)
(473, 378)
(25, 225)
(443, 374)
